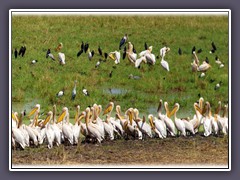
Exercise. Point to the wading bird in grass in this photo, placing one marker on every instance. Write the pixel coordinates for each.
(180, 51)
(74, 91)
(60, 93)
(49, 54)
(59, 47)
(100, 51)
(15, 53)
(86, 46)
(214, 48)
(123, 41)
(22, 51)
(34, 61)
(61, 57)
(85, 92)
(79, 52)
(163, 52)
(115, 56)
(98, 63)
(124, 52)
(90, 54)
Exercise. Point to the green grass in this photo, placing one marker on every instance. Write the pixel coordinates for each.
(39, 83)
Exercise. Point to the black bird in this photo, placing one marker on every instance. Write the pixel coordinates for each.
(86, 47)
(124, 52)
(207, 60)
(199, 51)
(199, 95)
(110, 74)
(100, 51)
(15, 53)
(145, 46)
(134, 50)
(49, 54)
(105, 55)
(24, 112)
(193, 49)
(214, 46)
(79, 52)
(212, 80)
(82, 45)
(123, 41)
(179, 51)
(22, 51)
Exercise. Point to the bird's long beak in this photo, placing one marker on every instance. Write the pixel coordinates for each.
(173, 111)
(32, 112)
(112, 56)
(196, 106)
(108, 109)
(151, 122)
(46, 120)
(61, 117)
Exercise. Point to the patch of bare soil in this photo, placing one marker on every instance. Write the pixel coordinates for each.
(180, 150)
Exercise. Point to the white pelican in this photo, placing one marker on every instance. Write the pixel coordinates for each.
(130, 54)
(204, 66)
(61, 57)
(93, 129)
(189, 126)
(49, 130)
(123, 41)
(225, 118)
(155, 130)
(207, 122)
(19, 134)
(108, 109)
(163, 52)
(108, 128)
(116, 122)
(127, 124)
(159, 125)
(74, 91)
(142, 125)
(165, 118)
(95, 118)
(115, 55)
(139, 61)
(180, 125)
(66, 125)
(196, 118)
(76, 127)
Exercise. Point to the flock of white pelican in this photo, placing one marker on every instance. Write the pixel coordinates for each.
(90, 127)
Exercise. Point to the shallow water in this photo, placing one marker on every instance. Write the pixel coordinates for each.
(115, 91)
